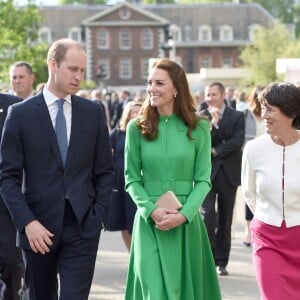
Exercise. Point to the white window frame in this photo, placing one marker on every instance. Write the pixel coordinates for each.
(188, 30)
(227, 64)
(125, 39)
(45, 31)
(147, 38)
(175, 33)
(145, 68)
(205, 58)
(125, 71)
(226, 33)
(205, 33)
(75, 31)
(252, 30)
(103, 39)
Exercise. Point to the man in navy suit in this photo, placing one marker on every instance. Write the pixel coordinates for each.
(11, 262)
(227, 134)
(58, 204)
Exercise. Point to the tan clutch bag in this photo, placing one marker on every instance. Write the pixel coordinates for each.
(169, 200)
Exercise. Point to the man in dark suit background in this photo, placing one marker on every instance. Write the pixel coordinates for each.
(64, 155)
(229, 97)
(227, 133)
(11, 263)
(124, 99)
(21, 78)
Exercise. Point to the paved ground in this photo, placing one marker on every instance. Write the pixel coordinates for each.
(111, 266)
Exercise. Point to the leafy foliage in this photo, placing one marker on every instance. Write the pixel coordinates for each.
(260, 57)
(82, 1)
(18, 30)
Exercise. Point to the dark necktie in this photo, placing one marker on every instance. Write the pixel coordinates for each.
(61, 130)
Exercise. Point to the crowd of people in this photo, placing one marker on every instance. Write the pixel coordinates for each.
(74, 162)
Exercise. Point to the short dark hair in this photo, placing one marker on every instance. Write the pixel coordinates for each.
(22, 64)
(219, 85)
(285, 96)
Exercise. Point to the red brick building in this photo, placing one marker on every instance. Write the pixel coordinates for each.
(121, 39)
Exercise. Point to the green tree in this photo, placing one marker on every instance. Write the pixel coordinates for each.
(286, 11)
(260, 57)
(82, 1)
(158, 1)
(18, 32)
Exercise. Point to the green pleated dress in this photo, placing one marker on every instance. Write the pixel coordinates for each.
(175, 264)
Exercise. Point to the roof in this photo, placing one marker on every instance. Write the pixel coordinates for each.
(240, 16)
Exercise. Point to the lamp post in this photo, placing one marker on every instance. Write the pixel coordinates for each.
(169, 48)
(172, 48)
(101, 75)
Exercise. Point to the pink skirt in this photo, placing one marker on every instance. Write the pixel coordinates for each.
(276, 257)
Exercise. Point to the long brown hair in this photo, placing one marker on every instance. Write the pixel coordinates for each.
(184, 106)
(253, 103)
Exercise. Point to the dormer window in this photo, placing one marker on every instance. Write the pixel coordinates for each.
(252, 30)
(187, 33)
(75, 34)
(44, 35)
(205, 33)
(226, 33)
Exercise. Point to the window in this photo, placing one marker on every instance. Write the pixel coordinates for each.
(75, 34)
(44, 35)
(103, 39)
(105, 67)
(187, 36)
(125, 68)
(145, 68)
(147, 39)
(226, 33)
(125, 39)
(252, 30)
(226, 62)
(124, 13)
(175, 33)
(205, 62)
(205, 33)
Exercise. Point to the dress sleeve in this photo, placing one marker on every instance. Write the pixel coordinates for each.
(248, 179)
(202, 171)
(133, 174)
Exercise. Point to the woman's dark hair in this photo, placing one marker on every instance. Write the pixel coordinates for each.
(285, 96)
(183, 105)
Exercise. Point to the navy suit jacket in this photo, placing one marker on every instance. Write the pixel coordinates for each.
(29, 150)
(227, 141)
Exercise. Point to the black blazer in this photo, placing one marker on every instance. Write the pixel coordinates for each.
(227, 141)
(29, 144)
(5, 101)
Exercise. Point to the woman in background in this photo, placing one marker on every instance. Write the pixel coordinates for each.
(254, 126)
(270, 184)
(122, 208)
(168, 148)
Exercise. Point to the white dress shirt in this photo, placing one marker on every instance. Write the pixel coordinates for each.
(52, 107)
(262, 181)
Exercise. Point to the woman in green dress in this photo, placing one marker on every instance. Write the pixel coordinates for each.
(168, 148)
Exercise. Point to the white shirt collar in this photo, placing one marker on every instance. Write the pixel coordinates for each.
(51, 98)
